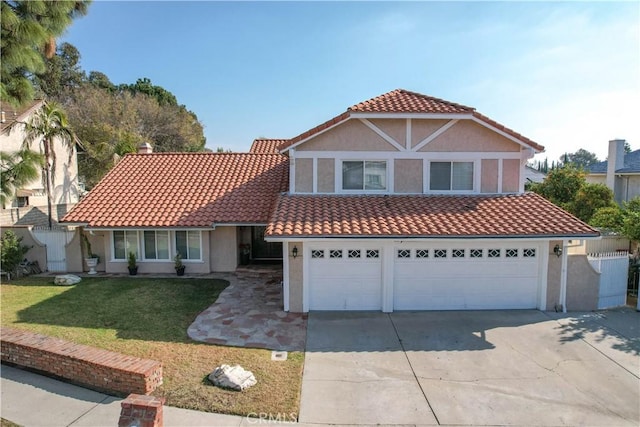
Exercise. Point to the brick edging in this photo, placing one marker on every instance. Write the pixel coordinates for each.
(96, 368)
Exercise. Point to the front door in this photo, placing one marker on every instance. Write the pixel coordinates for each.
(260, 249)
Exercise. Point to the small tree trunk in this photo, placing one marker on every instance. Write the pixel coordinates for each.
(47, 173)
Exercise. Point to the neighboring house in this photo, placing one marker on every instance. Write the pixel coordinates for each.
(65, 177)
(532, 175)
(402, 202)
(620, 172)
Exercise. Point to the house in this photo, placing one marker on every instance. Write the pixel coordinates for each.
(620, 172)
(402, 202)
(532, 175)
(65, 190)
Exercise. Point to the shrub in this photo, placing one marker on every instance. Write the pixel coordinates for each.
(12, 251)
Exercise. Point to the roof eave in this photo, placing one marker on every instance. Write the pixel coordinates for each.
(434, 237)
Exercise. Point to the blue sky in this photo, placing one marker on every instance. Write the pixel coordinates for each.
(566, 75)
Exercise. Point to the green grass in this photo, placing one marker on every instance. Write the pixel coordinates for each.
(149, 318)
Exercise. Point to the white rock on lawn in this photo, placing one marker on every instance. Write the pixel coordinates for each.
(67, 280)
(233, 377)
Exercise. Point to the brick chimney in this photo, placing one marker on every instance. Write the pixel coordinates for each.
(615, 161)
(145, 148)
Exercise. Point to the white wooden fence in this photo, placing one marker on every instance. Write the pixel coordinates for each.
(613, 268)
(55, 240)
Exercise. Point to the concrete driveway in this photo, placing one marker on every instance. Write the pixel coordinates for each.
(472, 368)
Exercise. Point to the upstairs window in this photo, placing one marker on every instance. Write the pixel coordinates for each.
(451, 176)
(364, 175)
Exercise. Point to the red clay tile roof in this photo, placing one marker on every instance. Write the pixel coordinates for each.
(185, 190)
(404, 101)
(476, 216)
(266, 146)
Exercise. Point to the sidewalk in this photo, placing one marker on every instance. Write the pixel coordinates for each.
(29, 400)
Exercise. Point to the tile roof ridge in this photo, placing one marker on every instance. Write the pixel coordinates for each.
(435, 98)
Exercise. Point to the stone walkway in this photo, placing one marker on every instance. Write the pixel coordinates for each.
(249, 314)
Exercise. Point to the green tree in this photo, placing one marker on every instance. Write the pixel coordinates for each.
(590, 198)
(12, 251)
(16, 170)
(144, 85)
(62, 72)
(29, 30)
(609, 218)
(561, 186)
(580, 159)
(631, 220)
(627, 147)
(49, 125)
(100, 80)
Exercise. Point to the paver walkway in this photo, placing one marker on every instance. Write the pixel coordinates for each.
(249, 314)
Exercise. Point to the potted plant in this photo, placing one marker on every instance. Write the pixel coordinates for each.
(92, 259)
(133, 267)
(245, 252)
(179, 265)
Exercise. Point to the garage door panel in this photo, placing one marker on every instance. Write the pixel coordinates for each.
(344, 283)
(427, 269)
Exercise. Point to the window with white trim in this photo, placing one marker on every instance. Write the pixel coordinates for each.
(354, 253)
(156, 244)
(422, 253)
(494, 253)
(457, 253)
(439, 253)
(511, 253)
(188, 244)
(529, 253)
(476, 253)
(364, 175)
(317, 253)
(125, 241)
(404, 253)
(373, 253)
(451, 176)
(335, 253)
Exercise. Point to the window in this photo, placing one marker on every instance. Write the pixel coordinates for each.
(440, 253)
(317, 253)
(335, 253)
(451, 176)
(422, 253)
(494, 253)
(511, 253)
(404, 253)
(476, 253)
(457, 253)
(354, 253)
(373, 253)
(364, 175)
(156, 245)
(188, 244)
(529, 253)
(125, 242)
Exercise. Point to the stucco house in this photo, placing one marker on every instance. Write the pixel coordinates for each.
(402, 202)
(65, 191)
(620, 172)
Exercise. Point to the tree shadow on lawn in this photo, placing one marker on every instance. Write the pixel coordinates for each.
(141, 309)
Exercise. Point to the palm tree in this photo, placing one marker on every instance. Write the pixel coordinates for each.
(16, 170)
(50, 124)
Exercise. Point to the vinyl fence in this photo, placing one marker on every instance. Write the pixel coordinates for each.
(613, 268)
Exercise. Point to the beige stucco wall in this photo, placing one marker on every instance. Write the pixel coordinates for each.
(38, 251)
(224, 249)
(395, 128)
(295, 278)
(304, 175)
(583, 284)
(489, 179)
(65, 176)
(421, 129)
(326, 176)
(510, 175)
(351, 135)
(470, 137)
(408, 175)
(164, 267)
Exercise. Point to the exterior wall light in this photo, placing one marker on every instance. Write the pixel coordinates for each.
(557, 250)
(294, 252)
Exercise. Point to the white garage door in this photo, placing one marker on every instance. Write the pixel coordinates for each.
(343, 277)
(445, 277)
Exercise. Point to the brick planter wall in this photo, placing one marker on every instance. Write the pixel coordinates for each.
(93, 367)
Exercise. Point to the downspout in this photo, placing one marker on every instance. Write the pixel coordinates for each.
(563, 277)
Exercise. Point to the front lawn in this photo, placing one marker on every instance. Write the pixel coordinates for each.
(149, 318)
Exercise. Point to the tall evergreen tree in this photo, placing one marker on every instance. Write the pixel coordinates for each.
(29, 31)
